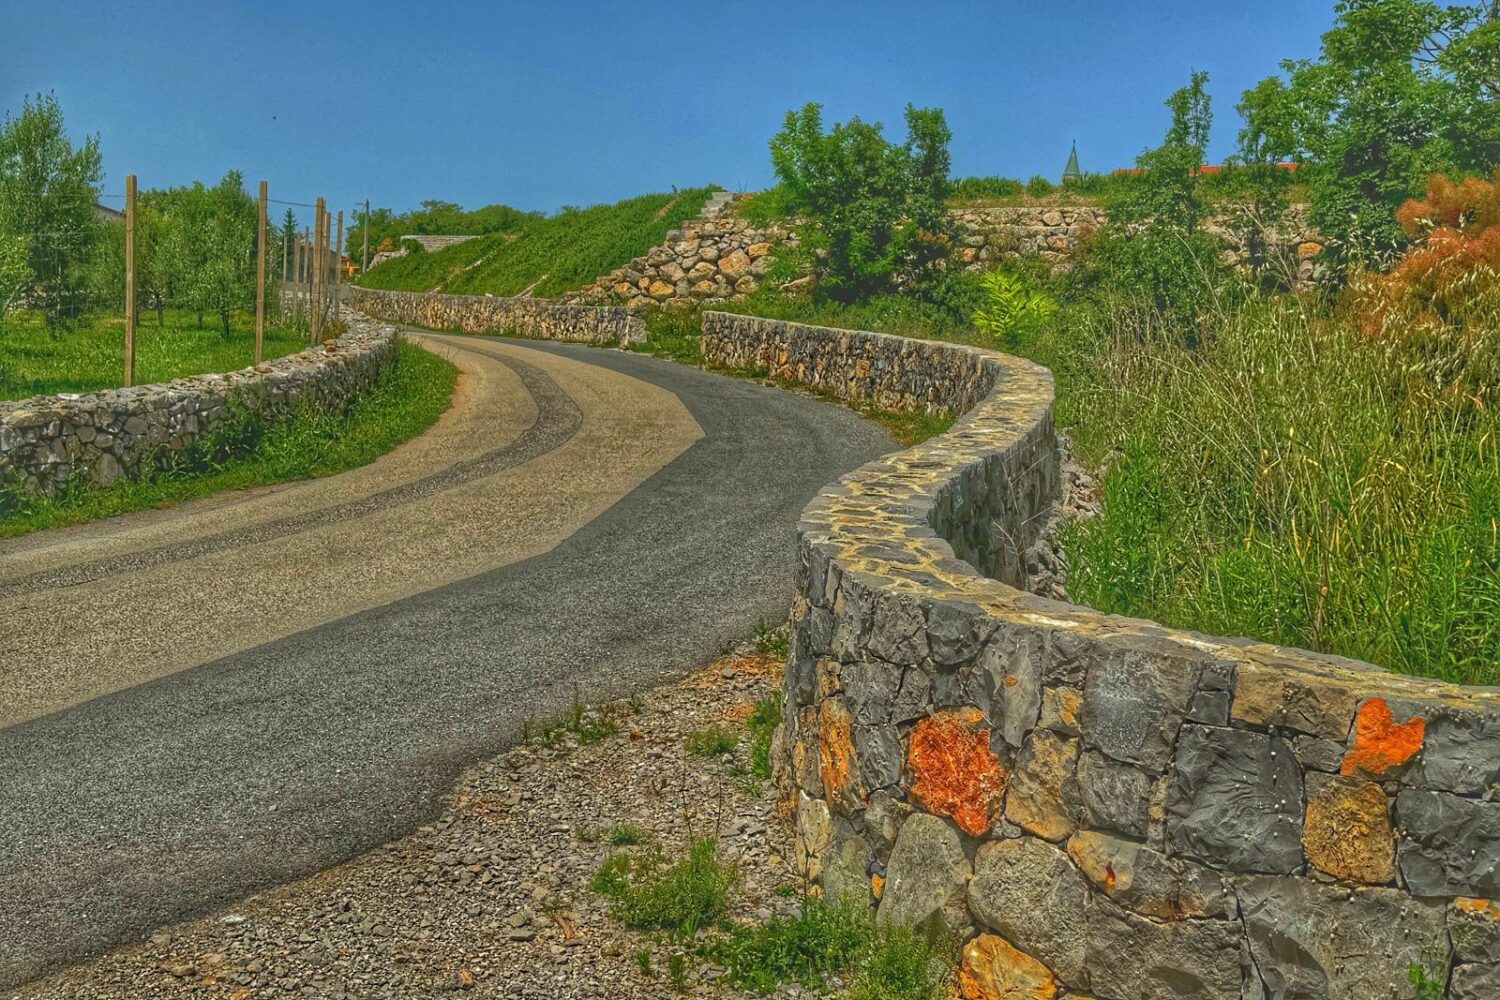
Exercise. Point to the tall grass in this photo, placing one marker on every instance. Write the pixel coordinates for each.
(549, 256)
(1292, 480)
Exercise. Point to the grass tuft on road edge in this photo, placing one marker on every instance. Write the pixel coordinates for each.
(406, 400)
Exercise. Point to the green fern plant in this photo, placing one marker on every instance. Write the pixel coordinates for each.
(1013, 312)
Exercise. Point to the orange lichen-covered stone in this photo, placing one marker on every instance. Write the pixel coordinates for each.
(955, 773)
(877, 885)
(1380, 743)
(835, 750)
(1348, 830)
(993, 970)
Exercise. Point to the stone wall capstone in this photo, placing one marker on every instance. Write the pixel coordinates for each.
(1096, 804)
(48, 443)
(542, 319)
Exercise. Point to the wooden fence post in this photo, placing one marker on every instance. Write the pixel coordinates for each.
(130, 279)
(316, 296)
(338, 263)
(260, 278)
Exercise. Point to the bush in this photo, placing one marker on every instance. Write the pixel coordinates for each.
(1450, 277)
(877, 218)
(1013, 312)
(646, 892)
(714, 741)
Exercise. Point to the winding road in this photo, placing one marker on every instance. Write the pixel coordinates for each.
(202, 701)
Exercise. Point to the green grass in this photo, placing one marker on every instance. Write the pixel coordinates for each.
(1294, 481)
(88, 356)
(626, 835)
(305, 445)
(648, 892)
(806, 948)
(552, 255)
(900, 964)
(762, 723)
(580, 723)
(712, 741)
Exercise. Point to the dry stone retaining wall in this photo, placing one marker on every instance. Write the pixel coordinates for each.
(724, 258)
(50, 442)
(543, 319)
(1098, 805)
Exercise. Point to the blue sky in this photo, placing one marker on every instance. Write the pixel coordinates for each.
(550, 103)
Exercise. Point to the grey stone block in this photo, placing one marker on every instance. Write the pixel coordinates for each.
(1113, 796)
(1315, 940)
(1133, 704)
(1449, 845)
(1236, 800)
(1132, 958)
(925, 877)
(1029, 892)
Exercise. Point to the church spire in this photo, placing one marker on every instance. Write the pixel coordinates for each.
(1071, 171)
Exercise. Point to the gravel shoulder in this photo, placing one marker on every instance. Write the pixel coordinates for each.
(491, 899)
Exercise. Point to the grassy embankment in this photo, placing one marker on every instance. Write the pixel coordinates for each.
(552, 255)
(1268, 470)
(409, 397)
(87, 357)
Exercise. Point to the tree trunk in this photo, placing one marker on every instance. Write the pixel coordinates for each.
(224, 322)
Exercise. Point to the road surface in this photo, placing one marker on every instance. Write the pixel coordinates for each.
(199, 702)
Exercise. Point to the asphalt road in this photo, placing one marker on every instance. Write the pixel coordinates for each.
(180, 787)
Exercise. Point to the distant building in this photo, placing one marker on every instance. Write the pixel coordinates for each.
(106, 214)
(1071, 171)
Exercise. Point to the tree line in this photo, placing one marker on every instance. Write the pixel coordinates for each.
(195, 245)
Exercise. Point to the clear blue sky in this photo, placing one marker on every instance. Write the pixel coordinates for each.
(551, 102)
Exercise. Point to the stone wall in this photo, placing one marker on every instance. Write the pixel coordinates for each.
(717, 258)
(1095, 804)
(50, 442)
(542, 319)
(725, 258)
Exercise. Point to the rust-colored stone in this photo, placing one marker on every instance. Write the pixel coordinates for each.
(993, 970)
(1038, 783)
(1308, 249)
(1380, 743)
(877, 885)
(1348, 832)
(835, 750)
(955, 773)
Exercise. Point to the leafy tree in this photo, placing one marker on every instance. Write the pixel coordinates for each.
(15, 270)
(48, 189)
(876, 214)
(1153, 258)
(1401, 89)
(1167, 191)
(288, 237)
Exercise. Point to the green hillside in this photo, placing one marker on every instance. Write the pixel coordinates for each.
(555, 254)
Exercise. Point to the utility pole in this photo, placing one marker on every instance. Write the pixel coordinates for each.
(364, 256)
(260, 277)
(130, 279)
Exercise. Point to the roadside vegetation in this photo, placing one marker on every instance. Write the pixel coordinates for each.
(545, 256)
(1309, 463)
(85, 355)
(406, 400)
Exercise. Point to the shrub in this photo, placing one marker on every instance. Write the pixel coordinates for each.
(1450, 277)
(764, 719)
(1013, 312)
(648, 893)
(877, 218)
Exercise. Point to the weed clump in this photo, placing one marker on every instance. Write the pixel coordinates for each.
(649, 893)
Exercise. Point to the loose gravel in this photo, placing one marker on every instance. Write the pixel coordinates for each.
(492, 899)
